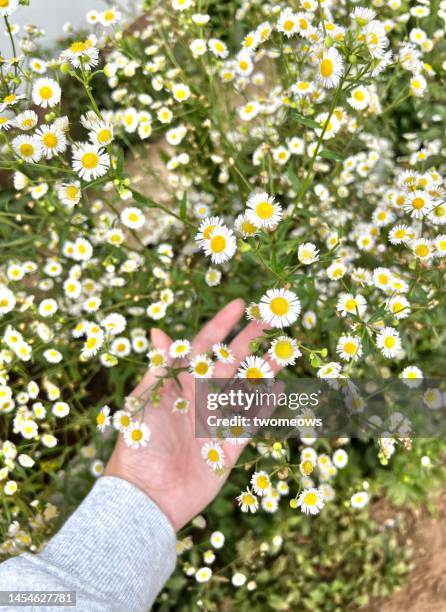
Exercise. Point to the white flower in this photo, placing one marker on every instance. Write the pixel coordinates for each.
(330, 68)
(132, 217)
(217, 539)
(359, 500)
(284, 350)
(218, 48)
(221, 245)
(213, 454)
(262, 211)
(28, 148)
(389, 342)
(238, 579)
(137, 435)
(254, 368)
(110, 17)
(340, 458)
(308, 253)
(46, 92)
(311, 501)
(180, 92)
(90, 161)
(52, 140)
(156, 311)
(201, 366)
(279, 307)
(7, 300)
(8, 7)
(203, 574)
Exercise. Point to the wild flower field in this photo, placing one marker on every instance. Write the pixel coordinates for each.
(295, 153)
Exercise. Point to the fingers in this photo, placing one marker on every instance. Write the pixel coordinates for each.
(240, 348)
(162, 341)
(219, 327)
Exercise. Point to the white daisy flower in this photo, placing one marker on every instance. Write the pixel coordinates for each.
(213, 454)
(311, 501)
(90, 161)
(8, 7)
(389, 342)
(349, 348)
(248, 502)
(254, 368)
(330, 68)
(221, 245)
(284, 350)
(132, 218)
(28, 148)
(262, 211)
(137, 435)
(201, 366)
(307, 253)
(180, 348)
(279, 307)
(46, 92)
(359, 500)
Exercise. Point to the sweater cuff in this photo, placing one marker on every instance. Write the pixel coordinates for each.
(118, 542)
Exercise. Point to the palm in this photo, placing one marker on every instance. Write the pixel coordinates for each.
(170, 469)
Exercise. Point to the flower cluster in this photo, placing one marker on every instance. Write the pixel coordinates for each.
(297, 164)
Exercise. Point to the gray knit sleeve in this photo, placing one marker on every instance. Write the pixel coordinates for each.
(116, 551)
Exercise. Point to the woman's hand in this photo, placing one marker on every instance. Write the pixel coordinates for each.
(170, 469)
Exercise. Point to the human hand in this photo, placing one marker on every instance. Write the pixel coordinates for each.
(170, 468)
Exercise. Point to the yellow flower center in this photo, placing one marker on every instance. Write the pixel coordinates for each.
(418, 203)
(213, 455)
(248, 227)
(350, 348)
(46, 92)
(264, 210)
(263, 482)
(283, 349)
(50, 140)
(201, 368)
(218, 244)
(279, 306)
(90, 160)
(136, 435)
(72, 192)
(351, 304)
(78, 47)
(254, 373)
(157, 360)
(422, 250)
(307, 467)
(27, 149)
(288, 25)
(100, 419)
(310, 499)
(248, 499)
(327, 68)
(104, 136)
(4, 3)
(389, 342)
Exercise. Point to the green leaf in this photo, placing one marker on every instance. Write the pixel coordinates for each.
(295, 180)
(307, 122)
(331, 155)
(144, 200)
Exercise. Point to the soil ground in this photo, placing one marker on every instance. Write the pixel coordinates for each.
(425, 588)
